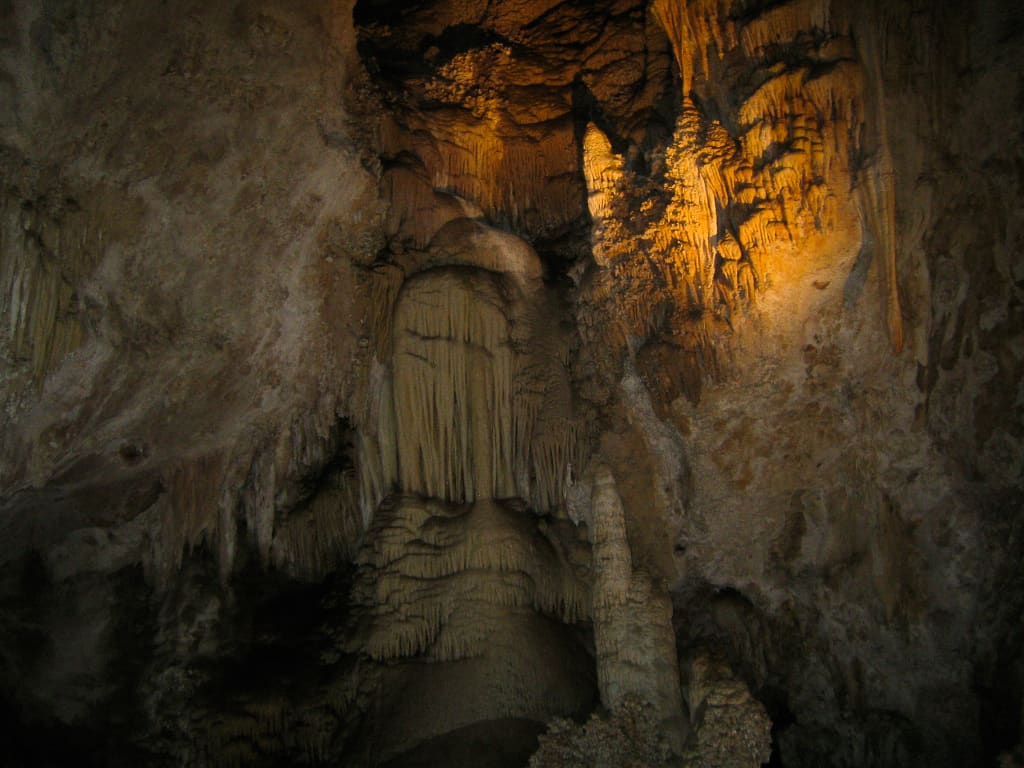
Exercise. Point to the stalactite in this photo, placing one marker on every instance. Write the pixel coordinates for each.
(453, 387)
(40, 259)
(189, 512)
(314, 541)
(490, 162)
(430, 569)
(412, 201)
(602, 170)
(304, 534)
(258, 496)
(382, 282)
(481, 405)
(695, 28)
(784, 22)
(878, 197)
(880, 212)
(745, 192)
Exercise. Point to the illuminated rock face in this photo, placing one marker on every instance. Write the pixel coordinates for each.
(471, 413)
(382, 380)
(497, 96)
(460, 587)
(453, 374)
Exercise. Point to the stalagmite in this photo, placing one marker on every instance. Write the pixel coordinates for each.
(633, 635)
(731, 728)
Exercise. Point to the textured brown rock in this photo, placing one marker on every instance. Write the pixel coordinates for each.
(731, 727)
(325, 326)
(633, 638)
(629, 737)
(468, 600)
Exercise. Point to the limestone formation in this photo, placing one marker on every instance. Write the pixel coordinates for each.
(633, 637)
(436, 383)
(731, 727)
(476, 403)
(629, 737)
(478, 600)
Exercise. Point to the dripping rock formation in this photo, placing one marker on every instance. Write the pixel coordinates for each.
(422, 384)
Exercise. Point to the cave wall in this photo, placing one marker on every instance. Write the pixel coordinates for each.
(774, 252)
(184, 200)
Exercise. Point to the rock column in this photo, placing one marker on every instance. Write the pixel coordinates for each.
(635, 642)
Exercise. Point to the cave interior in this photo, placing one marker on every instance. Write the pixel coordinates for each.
(548, 383)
